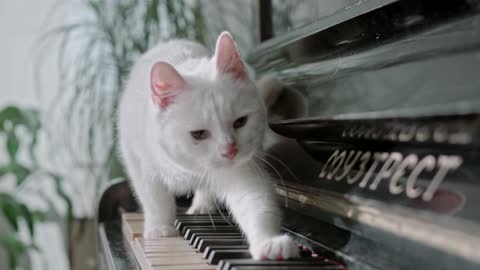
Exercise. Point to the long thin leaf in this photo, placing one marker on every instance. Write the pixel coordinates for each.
(14, 247)
(10, 210)
(29, 218)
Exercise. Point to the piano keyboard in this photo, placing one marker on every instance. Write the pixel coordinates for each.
(207, 242)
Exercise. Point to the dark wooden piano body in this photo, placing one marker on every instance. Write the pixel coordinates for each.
(383, 173)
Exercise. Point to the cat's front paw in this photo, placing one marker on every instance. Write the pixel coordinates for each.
(279, 247)
(160, 232)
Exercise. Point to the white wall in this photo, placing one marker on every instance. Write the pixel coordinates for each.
(22, 23)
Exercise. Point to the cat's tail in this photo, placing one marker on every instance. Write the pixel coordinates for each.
(282, 102)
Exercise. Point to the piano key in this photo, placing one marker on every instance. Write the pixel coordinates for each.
(203, 266)
(201, 218)
(220, 229)
(219, 242)
(229, 264)
(209, 249)
(196, 236)
(289, 267)
(171, 254)
(198, 240)
(167, 241)
(132, 229)
(206, 227)
(154, 249)
(218, 255)
(214, 241)
(158, 261)
(182, 224)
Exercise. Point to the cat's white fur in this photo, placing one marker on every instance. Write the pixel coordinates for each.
(162, 158)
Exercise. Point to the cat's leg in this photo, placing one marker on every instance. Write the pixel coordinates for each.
(203, 203)
(251, 200)
(159, 209)
(157, 203)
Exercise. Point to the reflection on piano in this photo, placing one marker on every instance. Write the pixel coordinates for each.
(382, 174)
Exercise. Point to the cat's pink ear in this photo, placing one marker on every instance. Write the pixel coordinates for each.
(165, 84)
(227, 58)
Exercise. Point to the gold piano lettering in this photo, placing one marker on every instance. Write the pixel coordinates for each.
(400, 173)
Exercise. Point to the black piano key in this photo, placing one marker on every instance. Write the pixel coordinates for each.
(209, 249)
(198, 227)
(182, 224)
(229, 264)
(204, 243)
(225, 254)
(203, 219)
(221, 229)
(196, 236)
(198, 240)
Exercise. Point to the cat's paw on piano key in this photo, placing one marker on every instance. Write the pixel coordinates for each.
(160, 232)
(276, 248)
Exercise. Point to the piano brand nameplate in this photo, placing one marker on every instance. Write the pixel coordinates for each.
(426, 163)
(398, 171)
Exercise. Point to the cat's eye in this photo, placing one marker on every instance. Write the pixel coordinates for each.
(200, 134)
(240, 122)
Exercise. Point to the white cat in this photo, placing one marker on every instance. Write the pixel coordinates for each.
(192, 121)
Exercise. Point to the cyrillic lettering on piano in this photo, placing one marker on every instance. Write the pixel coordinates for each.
(398, 171)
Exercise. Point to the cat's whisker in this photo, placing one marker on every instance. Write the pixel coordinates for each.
(277, 172)
(260, 171)
(284, 165)
(216, 205)
(280, 162)
(220, 212)
(203, 179)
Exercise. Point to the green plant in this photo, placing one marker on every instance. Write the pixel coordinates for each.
(12, 121)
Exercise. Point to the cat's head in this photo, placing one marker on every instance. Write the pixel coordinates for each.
(208, 119)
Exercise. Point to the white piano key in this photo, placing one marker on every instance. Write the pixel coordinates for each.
(175, 260)
(184, 267)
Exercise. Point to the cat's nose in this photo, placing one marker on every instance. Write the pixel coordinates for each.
(231, 152)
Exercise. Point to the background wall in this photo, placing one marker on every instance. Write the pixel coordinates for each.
(22, 22)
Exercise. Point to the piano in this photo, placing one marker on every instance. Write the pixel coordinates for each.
(381, 172)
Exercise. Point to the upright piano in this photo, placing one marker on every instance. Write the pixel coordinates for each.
(380, 172)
